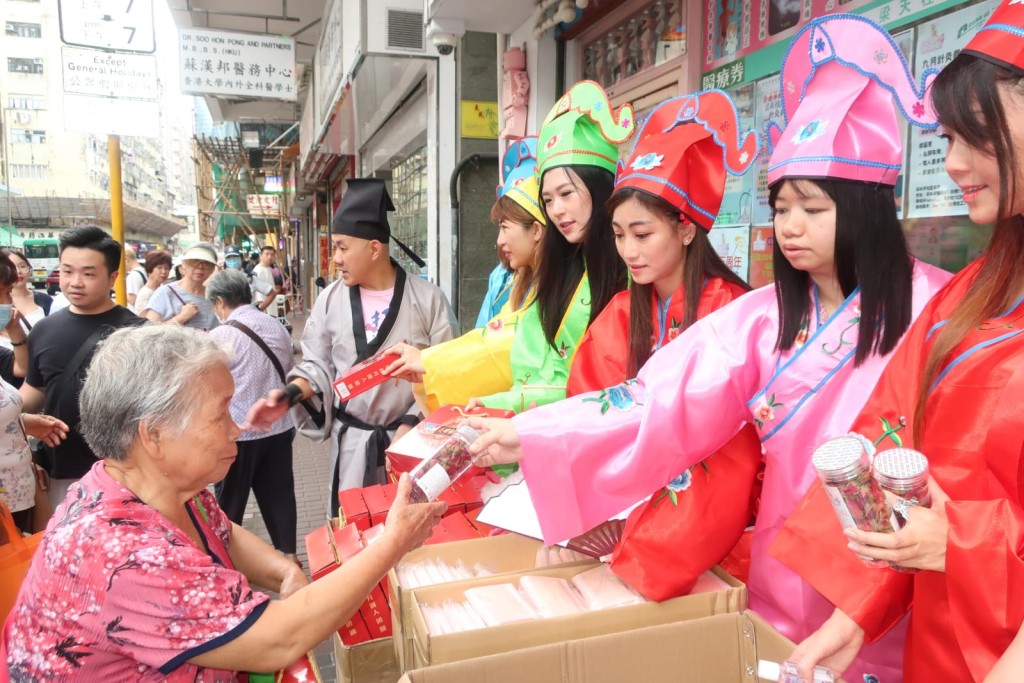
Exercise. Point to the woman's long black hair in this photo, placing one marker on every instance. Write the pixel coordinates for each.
(562, 264)
(871, 251)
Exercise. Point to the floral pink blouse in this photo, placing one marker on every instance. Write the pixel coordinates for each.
(116, 592)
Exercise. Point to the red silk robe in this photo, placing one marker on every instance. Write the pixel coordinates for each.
(963, 619)
(692, 524)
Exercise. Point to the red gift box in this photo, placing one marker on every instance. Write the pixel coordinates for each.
(452, 528)
(304, 669)
(328, 547)
(353, 508)
(456, 503)
(378, 501)
(377, 614)
(364, 376)
(425, 438)
(354, 631)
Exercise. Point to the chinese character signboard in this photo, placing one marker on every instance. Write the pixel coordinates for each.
(264, 205)
(762, 243)
(237, 64)
(110, 74)
(732, 244)
(480, 120)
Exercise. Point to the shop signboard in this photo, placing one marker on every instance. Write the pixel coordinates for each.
(732, 244)
(762, 268)
(737, 199)
(264, 205)
(237, 64)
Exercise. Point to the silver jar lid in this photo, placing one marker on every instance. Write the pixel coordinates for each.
(838, 458)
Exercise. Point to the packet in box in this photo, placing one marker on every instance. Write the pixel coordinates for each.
(424, 439)
(364, 376)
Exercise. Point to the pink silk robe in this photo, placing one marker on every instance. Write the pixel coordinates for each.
(586, 462)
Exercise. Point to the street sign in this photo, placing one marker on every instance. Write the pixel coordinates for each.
(111, 116)
(237, 64)
(125, 25)
(110, 74)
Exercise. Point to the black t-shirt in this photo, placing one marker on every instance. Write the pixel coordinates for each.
(53, 343)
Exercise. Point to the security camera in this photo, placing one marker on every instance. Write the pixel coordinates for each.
(445, 34)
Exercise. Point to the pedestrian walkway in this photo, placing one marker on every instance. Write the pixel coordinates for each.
(311, 477)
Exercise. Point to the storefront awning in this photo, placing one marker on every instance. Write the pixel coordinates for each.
(93, 210)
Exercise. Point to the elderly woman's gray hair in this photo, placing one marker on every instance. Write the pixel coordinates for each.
(150, 374)
(231, 287)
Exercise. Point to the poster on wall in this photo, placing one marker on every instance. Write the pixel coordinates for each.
(732, 244)
(736, 28)
(930, 192)
(737, 200)
(762, 242)
(949, 242)
(768, 103)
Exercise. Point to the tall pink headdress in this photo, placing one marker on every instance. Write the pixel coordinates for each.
(840, 78)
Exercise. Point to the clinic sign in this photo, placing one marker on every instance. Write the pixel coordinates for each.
(237, 64)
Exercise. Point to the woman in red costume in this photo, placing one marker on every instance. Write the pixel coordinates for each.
(667, 195)
(953, 391)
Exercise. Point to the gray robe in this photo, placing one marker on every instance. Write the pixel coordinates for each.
(424, 319)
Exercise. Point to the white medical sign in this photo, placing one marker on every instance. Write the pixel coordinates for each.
(125, 25)
(111, 116)
(237, 64)
(110, 74)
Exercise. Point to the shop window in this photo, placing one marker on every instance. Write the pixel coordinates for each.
(20, 29)
(29, 171)
(635, 44)
(26, 102)
(20, 65)
(409, 193)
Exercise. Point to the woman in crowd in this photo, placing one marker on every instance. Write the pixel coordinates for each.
(666, 198)
(260, 361)
(952, 392)
(141, 576)
(477, 363)
(797, 360)
(32, 304)
(158, 267)
(579, 271)
(184, 301)
(17, 472)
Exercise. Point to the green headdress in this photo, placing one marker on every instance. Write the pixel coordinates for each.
(582, 130)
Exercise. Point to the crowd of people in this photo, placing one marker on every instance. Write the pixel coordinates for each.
(640, 368)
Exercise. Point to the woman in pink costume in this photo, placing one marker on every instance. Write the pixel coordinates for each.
(797, 360)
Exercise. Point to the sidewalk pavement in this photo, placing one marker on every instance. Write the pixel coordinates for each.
(311, 492)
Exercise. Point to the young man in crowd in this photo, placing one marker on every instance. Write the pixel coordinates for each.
(135, 277)
(62, 344)
(264, 271)
(263, 294)
(374, 305)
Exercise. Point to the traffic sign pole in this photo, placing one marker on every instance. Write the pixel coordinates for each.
(117, 213)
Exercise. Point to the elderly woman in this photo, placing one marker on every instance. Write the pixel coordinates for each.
(158, 267)
(140, 576)
(261, 356)
(184, 301)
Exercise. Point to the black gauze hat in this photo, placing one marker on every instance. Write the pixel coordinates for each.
(363, 213)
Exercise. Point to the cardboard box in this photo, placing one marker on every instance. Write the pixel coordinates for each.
(370, 662)
(363, 376)
(429, 650)
(505, 555)
(424, 440)
(353, 509)
(719, 649)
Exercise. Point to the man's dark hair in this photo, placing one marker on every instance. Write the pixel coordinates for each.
(268, 248)
(92, 237)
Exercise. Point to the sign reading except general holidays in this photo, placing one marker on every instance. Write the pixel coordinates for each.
(125, 26)
(110, 74)
(237, 64)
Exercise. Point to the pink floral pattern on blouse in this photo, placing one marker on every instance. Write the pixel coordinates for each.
(117, 593)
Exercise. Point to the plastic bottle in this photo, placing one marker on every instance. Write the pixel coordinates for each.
(786, 672)
(858, 500)
(449, 462)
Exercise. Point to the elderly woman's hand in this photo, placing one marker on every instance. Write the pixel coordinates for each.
(46, 428)
(410, 524)
(292, 581)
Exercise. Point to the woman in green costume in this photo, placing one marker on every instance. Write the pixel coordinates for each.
(579, 269)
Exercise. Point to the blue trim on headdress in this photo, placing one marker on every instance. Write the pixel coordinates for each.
(676, 189)
(1016, 31)
(844, 160)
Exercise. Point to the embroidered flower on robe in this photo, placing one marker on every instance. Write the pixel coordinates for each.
(765, 411)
